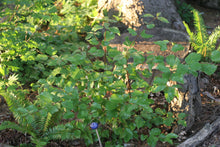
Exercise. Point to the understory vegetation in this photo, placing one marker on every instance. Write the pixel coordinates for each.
(59, 74)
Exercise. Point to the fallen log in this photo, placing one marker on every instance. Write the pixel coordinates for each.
(203, 134)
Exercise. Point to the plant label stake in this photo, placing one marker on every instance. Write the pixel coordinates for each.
(94, 126)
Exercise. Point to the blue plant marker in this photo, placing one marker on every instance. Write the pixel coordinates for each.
(94, 126)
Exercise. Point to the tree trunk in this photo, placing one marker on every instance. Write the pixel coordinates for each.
(132, 11)
(188, 101)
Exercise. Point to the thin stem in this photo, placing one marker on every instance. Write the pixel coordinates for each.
(100, 143)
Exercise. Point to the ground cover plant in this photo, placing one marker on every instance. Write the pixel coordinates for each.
(57, 84)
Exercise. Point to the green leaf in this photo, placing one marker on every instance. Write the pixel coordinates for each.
(56, 71)
(170, 93)
(139, 122)
(208, 68)
(89, 35)
(93, 41)
(158, 14)
(150, 26)
(162, 44)
(41, 57)
(45, 97)
(177, 47)
(97, 27)
(169, 137)
(155, 132)
(163, 68)
(111, 106)
(181, 116)
(129, 134)
(148, 15)
(96, 52)
(116, 99)
(77, 133)
(105, 43)
(158, 88)
(83, 114)
(143, 137)
(195, 66)
(68, 115)
(109, 36)
(106, 25)
(127, 42)
(68, 105)
(193, 57)
(146, 36)
(152, 140)
(182, 122)
(115, 30)
(113, 52)
(163, 19)
(132, 32)
(160, 111)
(172, 60)
(215, 56)
(168, 121)
(138, 58)
(121, 60)
(75, 73)
(160, 81)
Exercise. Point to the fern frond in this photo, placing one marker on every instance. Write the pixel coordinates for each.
(16, 104)
(12, 79)
(11, 125)
(201, 36)
(63, 132)
(47, 122)
(213, 38)
(190, 33)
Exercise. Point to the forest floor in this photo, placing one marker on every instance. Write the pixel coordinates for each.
(210, 108)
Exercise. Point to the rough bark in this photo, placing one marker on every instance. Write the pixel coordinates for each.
(132, 10)
(188, 101)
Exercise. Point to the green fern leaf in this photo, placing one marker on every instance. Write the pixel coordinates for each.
(200, 28)
(201, 36)
(213, 38)
(47, 122)
(12, 125)
(190, 33)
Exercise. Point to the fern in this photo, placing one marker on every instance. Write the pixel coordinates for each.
(214, 37)
(65, 132)
(201, 42)
(34, 119)
(201, 36)
(11, 125)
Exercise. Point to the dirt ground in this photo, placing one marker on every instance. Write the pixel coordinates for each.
(210, 108)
